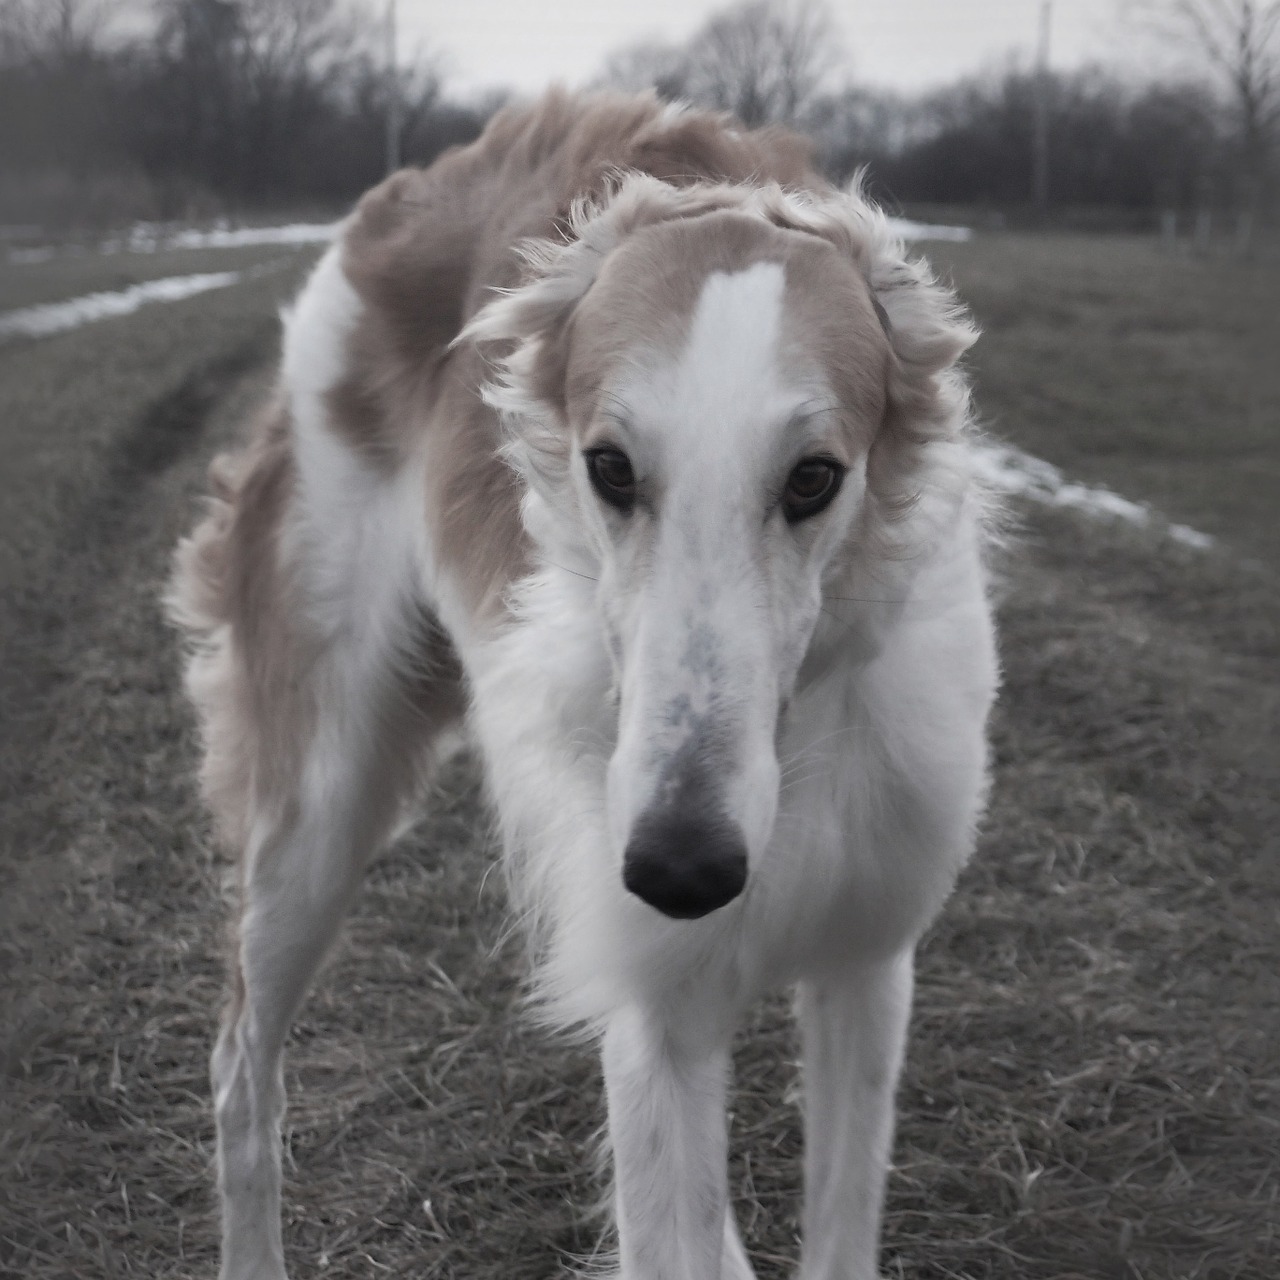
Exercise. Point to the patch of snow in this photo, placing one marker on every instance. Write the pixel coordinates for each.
(909, 230)
(1101, 502)
(229, 238)
(1190, 537)
(149, 237)
(55, 317)
(1010, 470)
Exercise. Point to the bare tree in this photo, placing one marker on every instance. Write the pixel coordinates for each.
(765, 61)
(244, 81)
(289, 39)
(1239, 42)
(853, 125)
(52, 30)
(648, 65)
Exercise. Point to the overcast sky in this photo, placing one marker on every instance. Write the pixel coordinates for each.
(906, 44)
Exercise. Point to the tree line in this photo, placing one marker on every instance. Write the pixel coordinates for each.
(188, 107)
(1134, 150)
(1202, 140)
(232, 105)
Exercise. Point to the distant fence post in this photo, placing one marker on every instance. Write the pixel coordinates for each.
(1169, 229)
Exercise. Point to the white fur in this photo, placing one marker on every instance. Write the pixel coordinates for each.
(858, 806)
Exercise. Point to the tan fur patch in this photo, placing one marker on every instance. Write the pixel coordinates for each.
(229, 594)
(426, 250)
(831, 322)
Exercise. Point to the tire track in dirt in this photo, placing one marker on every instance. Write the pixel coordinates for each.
(170, 427)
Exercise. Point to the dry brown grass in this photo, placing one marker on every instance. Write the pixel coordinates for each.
(1092, 1082)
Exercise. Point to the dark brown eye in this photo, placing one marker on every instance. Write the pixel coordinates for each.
(811, 486)
(612, 477)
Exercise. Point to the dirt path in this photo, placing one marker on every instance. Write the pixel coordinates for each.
(1091, 1090)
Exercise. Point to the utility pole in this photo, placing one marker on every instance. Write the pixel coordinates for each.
(1040, 158)
(393, 92)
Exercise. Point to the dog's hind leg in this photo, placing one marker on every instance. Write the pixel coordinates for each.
(666, 1092)
(305, 857)
(853, 1026)
(303, 871)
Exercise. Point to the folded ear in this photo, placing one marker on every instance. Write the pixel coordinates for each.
(928, 401)
(928, 330)
(927, 326)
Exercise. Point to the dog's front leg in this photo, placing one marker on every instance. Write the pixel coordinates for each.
(666, 1093)
(853, 1026)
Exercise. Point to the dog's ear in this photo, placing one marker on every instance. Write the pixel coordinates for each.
(927, 327)
(928, 399)
(927, 396)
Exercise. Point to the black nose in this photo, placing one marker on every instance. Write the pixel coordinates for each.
(684, 866)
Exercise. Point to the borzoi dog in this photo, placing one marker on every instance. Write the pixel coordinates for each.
(623, 442)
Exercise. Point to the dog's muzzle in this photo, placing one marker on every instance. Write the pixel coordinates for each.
(685, 867)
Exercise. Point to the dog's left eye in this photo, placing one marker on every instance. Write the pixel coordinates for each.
(811, 486)
(612, 477)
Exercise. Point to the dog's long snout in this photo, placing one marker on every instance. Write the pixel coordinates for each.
(685, 866)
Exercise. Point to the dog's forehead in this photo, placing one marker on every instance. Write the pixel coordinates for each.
(728, 293)
(728, 371)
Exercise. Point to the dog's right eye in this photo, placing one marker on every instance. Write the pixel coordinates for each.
(612, 477)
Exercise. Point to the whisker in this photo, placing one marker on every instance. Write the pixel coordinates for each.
(803, 760)
(805, 752)
(586, 577)
(789, 784)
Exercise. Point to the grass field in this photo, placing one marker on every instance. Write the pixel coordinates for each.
(1092, 1090)
(1155, 375)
